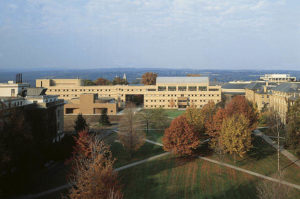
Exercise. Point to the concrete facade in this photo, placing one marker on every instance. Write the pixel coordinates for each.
(12, 89)
(168, 93)
(90, 104)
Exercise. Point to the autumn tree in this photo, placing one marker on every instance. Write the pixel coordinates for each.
(195, 118)
(82, 145)
(149, 78)
(240, 105)
(80, 123)
(102, 81)
(293, 126)
(181, 137)
(130, 130)
(235, 135)
(88, 82)
(94, 177)
(104, 120)
(119, 81)
(213, 128)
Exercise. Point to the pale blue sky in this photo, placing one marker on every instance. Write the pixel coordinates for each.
(202, 34)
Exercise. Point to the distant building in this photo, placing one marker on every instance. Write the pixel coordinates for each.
(12, 89)
(278, 78)
(168, 93)
(90, 104)
(278, 97)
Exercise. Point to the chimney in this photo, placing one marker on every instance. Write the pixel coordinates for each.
(265, 89)
(267, 83)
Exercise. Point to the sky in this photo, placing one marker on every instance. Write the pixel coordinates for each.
(198, 34)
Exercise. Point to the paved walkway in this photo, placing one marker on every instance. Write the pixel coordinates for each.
(283, 151)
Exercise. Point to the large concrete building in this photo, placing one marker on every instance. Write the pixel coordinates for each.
(168, 93)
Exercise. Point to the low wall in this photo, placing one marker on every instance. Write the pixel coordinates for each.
(69, 120)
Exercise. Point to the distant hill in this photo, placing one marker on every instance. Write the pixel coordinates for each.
(134, 73)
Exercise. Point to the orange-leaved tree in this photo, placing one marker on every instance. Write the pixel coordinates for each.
(102, 81)
(82, 145)
(213, 127)
(181, 137)
(149, 78)
(94, 177)
(240, 105)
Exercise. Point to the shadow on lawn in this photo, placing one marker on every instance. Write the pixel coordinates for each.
(139, 182)
(243, 191)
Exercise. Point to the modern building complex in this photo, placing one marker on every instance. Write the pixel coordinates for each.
(168, 93)
(278, 78)
(12, 89)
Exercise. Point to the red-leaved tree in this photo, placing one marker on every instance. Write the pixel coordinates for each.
(181, 138)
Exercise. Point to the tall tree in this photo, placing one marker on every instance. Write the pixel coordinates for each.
(154, 118)
(213, 128)
(240, 105)
(94, 177)
(130, 131)
(236, 135)
(149, 78)
(293, 126)
(102, 81)
(181, 137)
(80, 123)
(104, 120)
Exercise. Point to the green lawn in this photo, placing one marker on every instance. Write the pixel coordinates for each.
(173, 113)
(171, 177)
(123, 157)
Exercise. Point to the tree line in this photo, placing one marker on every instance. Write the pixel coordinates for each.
(148, 78)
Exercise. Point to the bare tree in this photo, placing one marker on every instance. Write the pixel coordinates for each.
(272, 190)
(129, 130)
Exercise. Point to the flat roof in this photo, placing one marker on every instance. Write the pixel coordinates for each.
(181, 80)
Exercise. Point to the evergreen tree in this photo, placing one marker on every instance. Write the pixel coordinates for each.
(80, 123)
(104, 120)
(293, 126)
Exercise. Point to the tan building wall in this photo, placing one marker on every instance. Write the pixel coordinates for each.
(165, 95)
(89, 104)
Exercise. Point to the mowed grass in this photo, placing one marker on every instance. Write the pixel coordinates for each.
(123, 157)
(262, 158)
(173, 113)
(170, 177)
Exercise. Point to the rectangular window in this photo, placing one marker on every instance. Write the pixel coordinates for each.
(161, 88)
(192, 88)
(213, 89)
(202, 88)
(171, 88)
(181, 88)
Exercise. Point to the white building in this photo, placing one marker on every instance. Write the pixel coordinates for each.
(278, 78)
(12, 89)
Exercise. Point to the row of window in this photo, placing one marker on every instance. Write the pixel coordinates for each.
(188, 95)
(176, 100)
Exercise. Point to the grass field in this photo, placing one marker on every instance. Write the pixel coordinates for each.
(171, 177)
(174, 113)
